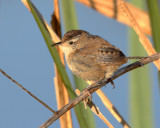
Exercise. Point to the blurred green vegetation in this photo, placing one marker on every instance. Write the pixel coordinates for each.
(140, 84)
(70, 22)
(154, 14)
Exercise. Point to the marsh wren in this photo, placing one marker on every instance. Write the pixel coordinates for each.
(90, 57)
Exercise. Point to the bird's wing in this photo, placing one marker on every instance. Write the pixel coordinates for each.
(110, 55)
(102, 51)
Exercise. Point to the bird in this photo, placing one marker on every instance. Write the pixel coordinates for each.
(91, 57)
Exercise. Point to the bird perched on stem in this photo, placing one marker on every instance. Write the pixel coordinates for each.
(90, 57)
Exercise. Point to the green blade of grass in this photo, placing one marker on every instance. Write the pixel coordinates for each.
(52, 50)
(140, 90)
(69, 15)
(153, 9)
(60, 67)
(140, 86)
(70, 23)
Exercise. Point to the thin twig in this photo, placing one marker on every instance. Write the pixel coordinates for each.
(5, 74)
(98, 85)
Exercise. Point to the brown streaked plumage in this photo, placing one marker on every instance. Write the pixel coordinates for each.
(90, 56)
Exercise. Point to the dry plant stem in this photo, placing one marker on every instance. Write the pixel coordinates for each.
(111, 108)
(61, 92)
(111, 8)
(60, 89)
(96, 111)
(54, 36)
(108, 104)
(27, 91)
(55, 22)
(142, 38)
(96, 86)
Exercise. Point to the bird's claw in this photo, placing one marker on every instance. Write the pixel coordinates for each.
(112, 83)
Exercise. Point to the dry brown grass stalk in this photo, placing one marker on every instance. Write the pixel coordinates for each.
(96, 111)
(62, 95)
(54, 36)
(108, 104)
(111, 8)
(142, 38)
(61, 92)
(111, 108)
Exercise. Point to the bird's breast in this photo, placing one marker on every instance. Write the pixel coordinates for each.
(85, 67)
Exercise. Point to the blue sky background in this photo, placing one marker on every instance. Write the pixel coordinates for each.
(25, 57)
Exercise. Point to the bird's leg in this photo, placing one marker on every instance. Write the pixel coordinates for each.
(89, 98)
(141, 64)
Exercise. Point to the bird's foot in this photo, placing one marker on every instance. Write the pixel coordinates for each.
(88, 99)
(112, 83)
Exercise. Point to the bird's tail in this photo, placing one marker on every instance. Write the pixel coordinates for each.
(136, 57)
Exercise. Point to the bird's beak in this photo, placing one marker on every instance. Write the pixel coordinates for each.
(55, 44)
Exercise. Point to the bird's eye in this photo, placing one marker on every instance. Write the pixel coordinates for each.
(71, 42)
